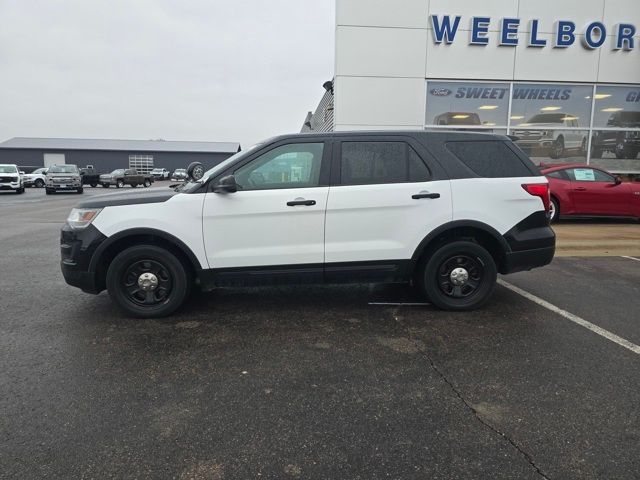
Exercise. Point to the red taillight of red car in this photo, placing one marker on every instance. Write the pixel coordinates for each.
(539, 190)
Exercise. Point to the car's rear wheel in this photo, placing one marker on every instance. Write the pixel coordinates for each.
(94, 184)
(39, 183)
(147, 281)
(459, 276)
(147, 183)
(554, 210)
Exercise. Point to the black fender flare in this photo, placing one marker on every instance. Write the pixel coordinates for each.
(93, 264)
(434, 234)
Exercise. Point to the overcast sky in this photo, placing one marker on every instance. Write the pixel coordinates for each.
(217, 70)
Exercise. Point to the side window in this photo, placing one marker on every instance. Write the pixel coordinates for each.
(372, 163)
(288, 166)
(561, 174)
(489, 159)
(589, 175)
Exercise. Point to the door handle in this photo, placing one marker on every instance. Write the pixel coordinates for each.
(580, 189)
(301, 201)
(420, 195)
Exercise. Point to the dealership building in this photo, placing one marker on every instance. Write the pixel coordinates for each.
(561, 76)
(108, 155)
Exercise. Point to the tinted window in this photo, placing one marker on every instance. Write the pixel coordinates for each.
(370, 163)
(491, 159)
(589, 175)
(287, 166)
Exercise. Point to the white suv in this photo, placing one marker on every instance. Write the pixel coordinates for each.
(11, 178)
(445, 211)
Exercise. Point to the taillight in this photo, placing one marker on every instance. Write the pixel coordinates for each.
(539, 190)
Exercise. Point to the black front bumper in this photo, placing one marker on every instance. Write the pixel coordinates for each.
(77, 247)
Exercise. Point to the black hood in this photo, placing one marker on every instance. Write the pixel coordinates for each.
(128, 198)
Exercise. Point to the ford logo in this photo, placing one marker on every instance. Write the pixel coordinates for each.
(440, 92)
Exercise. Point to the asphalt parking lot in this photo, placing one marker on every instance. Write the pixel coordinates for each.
(327, 382)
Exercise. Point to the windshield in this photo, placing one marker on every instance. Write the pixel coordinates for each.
(156, 170)
(550, 118)
(40, 170)
(117, 172)
(180, 170)
(8, 169)
(213, 171)
(63, 169)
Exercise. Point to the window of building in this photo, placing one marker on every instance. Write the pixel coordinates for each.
(479, 105)
(141, 163)
(489, 159)
(537, 105)
(287, 166)
(372, 163)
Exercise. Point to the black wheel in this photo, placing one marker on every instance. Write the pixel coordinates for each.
(148, 281)
(554, 210)
(120, 184)
(94, 184)
(147, 183)
(80, 190)
(459, 276)
(39, 183)
(105, 185)
(20, 190)
(558, 148)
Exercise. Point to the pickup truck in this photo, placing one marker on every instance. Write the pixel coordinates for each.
(122, 177)
(90, 176)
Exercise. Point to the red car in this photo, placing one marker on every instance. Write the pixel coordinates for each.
(578, 189)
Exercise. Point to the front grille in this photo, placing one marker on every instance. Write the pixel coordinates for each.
(62, 180)
(8, 179)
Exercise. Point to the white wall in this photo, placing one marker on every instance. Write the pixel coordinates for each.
(385, 50)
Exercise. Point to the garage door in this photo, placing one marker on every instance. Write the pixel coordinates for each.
(53, 159)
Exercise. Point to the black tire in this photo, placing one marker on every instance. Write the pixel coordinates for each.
(39, 183)
(105, 185)
(94, 184)
(554, 214)
(147, 183)
(80, 190)
(557, 150)
(20, 190)
(437, 276)
(120, 184)
(173, 286)
(48, 191)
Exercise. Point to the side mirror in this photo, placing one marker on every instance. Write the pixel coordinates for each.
(226, 185)
(195, 171)
(21, 172)
(617, 180)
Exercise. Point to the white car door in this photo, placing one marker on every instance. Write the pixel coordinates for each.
(382, 203)
(276, 218)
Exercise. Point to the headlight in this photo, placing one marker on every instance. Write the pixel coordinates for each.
(82, 217)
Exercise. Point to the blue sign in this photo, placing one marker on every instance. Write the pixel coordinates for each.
(445, 30)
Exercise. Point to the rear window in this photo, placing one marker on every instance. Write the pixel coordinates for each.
(371, 163)
(492, 159)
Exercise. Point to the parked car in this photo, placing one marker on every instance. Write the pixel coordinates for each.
(63, 178)
(624, 144)
(36, 178)
(160, 174)
(90, 176)
(179, 175)
(122, 177)
(10, 178)
(541, 134)
(445, 210)
(578, 189)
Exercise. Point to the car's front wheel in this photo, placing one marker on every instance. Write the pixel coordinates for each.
(554, 210)
(39, 183)
(147, 281)
(557, 151)
(120, 184)
(459, 276)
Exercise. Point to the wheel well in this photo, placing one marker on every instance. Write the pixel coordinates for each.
(483, 238)
(107, 256)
